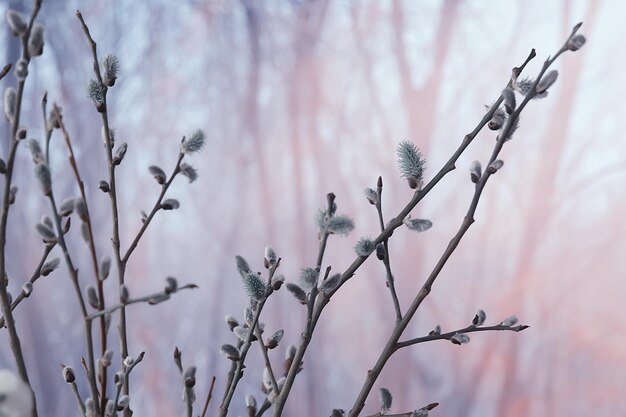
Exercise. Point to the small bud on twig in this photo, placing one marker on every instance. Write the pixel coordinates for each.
(193, 144)
(411, 163)
(105, 267)
(27, 289)
(95, 91)
(418, 225)
(460, 339)
(104, 186)
(123, 402)
(92, 297)
(386, 399)
(16, 22)
(12, 194)
(158, 174)
(49, 266)
(309, 277)
(21, 70)
(36, 40)
(110, 69)
(119, 154)
(508, 95)
(171, 285)
(495, 166)
(170, 204)
(364, 247)
(251, 405)
(231, 322)
(509, 321)
(497, 120)
(277, 282)
(42, 172)
(546, 81)
(46, 233)
(576, 43)
(475, 172)
(479, 318)
(254, 285)
(68, 374)
(380, 251)
(81, 209)
(371, 195)
(436, 331)
(10, 101)
(231, 352)
(297, 292)
(124, 294)
(270, 257)
(274, 339)
(330, 283)
(188, 171)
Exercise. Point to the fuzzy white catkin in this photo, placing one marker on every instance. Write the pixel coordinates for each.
(17, 398)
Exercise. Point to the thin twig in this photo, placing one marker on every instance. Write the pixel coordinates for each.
(79, 400)
(115, 238)
(155, 208)
(34, 277)
(231, 371)
(264, 407)
(469, 329)
(127, 372)
(91, 243)
(240, 364)
(268, 364)
(81, 301)
(5, 70)
(208, 398)
(151, 299)
(386, 261)
(305, 337)
(408, 413)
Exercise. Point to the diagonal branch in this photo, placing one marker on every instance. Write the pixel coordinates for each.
(34, 277)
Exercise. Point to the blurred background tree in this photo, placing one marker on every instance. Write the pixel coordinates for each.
(302, 97)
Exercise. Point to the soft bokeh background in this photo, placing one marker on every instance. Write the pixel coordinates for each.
(299, 98)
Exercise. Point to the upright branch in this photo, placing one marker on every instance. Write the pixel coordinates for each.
(31, 37)
(56, 120)
(105, 78)
(98, 92)
(259, 292)
(42, 269)
(384, 253)
(494, 164)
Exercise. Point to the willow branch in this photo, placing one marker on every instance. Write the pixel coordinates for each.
(155, 298)
(81, 302)
(237, 373)
(155, 208)
(34, 277)
(266, 357)
(386, 261)
(504, 135)
(208, 398)
(469, 329)
(14, 340)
